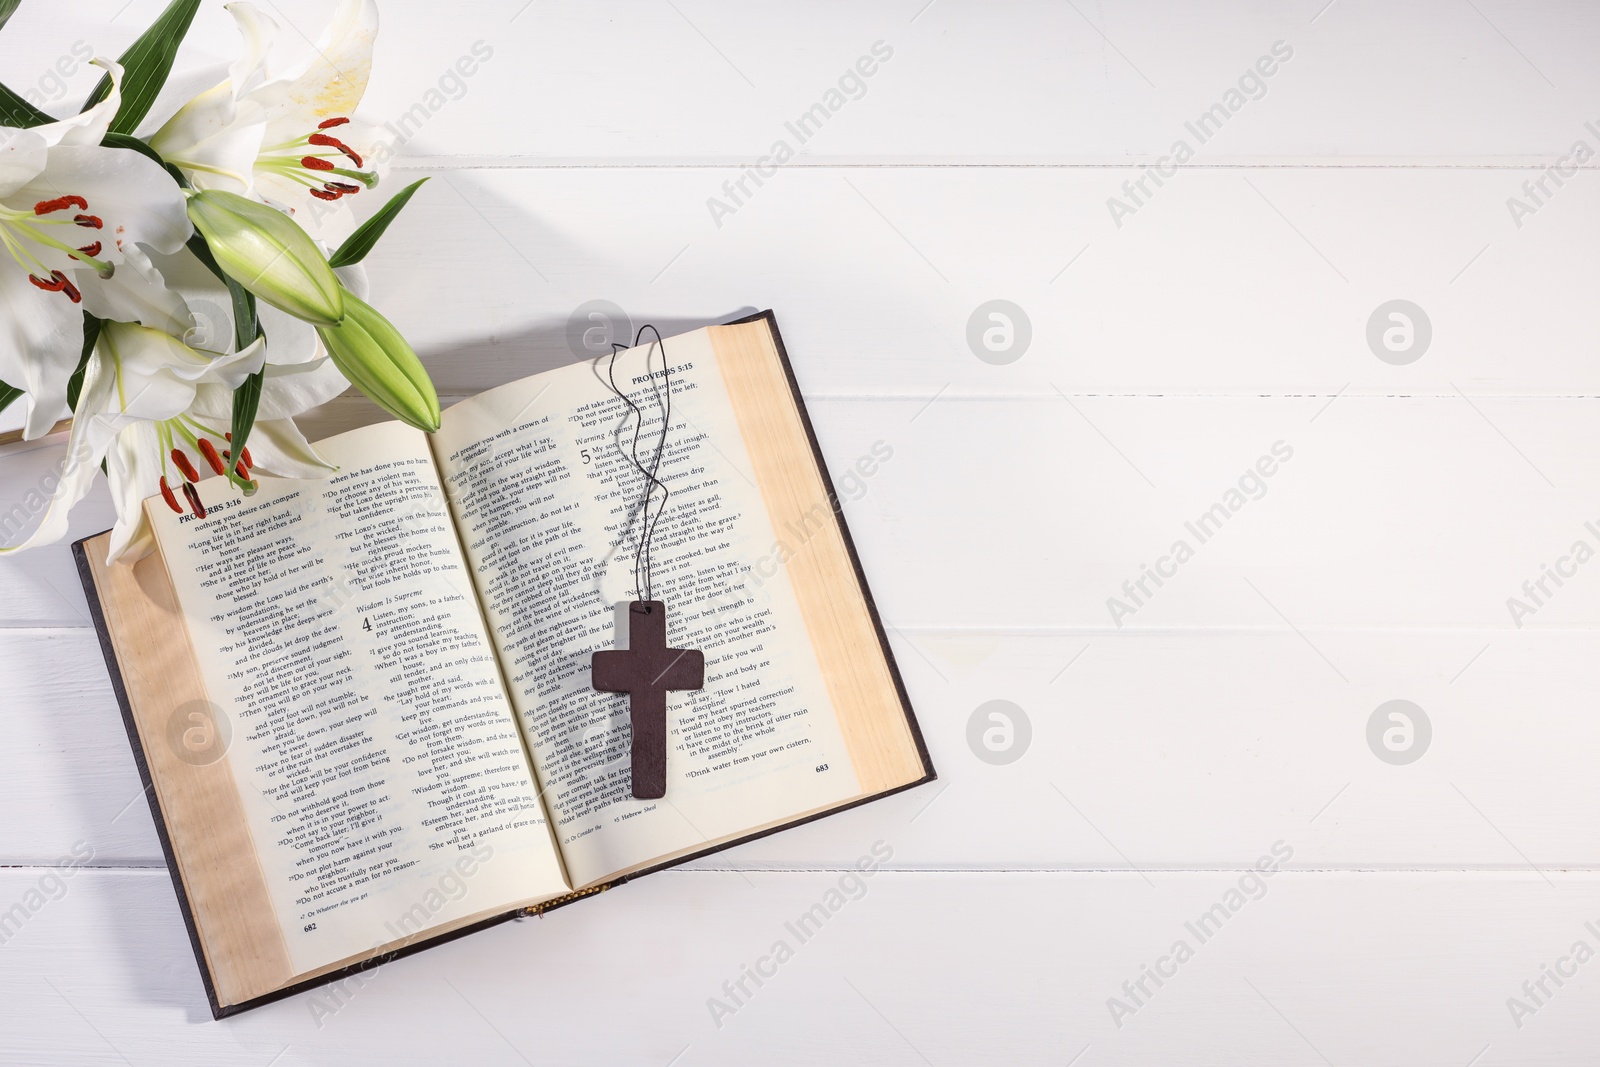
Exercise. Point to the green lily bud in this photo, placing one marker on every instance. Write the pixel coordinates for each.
(269, 254)
(369, 351)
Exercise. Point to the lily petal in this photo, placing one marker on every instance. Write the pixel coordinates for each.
(88, 127)
(333, 78)
(136, 293)
(86, 446)
(209, 141)
(286, 391)
(23, 154)
(279, 448)
(41, 338)
(289, 340)
(141, 353)
(249, 71)
(133, 467)
(134, 196)
(290, 391)
(143, 388)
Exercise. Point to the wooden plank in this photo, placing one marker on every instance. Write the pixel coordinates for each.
(1403, 512)
(1265, 280)
(1430, 512)
(618, 82)
(1142, 750)
(1225, 282)
(41, 585)
(72, 780)
(1229, 713)
(1353, 968)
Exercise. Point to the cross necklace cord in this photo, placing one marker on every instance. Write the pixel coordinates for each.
(647, 668)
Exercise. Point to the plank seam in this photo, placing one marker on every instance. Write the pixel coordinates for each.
(1520, 871)
(467, 161)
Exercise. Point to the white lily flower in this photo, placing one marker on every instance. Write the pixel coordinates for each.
(158, 412)
(287, 141)
(71, 216)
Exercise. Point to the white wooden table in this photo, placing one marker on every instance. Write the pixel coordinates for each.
(1174, 343)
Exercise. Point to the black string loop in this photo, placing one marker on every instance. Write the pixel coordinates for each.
(642, 560)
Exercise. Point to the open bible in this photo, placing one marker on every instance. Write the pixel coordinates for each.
(363, 706)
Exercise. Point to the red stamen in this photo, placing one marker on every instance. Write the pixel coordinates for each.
(90, 221)
(185, 466)
(323, 140)
(45, 207)
(166, 494)
(242, 471)
(328, 124)
(248, 462)
(316, 163)
(209, 450)
(324, 194)
(194, 500)
(91, 249)
(57, 284)
(344, 187)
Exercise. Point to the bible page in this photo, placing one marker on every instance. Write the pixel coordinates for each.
(546, 502)
(358, 699)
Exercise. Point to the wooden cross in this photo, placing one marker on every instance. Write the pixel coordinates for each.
(645, 670)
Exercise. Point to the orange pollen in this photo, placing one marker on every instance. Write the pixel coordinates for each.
(89, 221)
(328, 124)
(316, 163)
(58, 283)
(208, 450)
(185, 466)
(166, 494)
(91, 249)
(45, 207)
(323, 140)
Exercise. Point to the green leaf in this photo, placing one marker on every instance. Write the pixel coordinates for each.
(202, 252)
(145, 65)
(130, 142)
(91, 334)
(246, 399)
(246, 327)
(358, 244)
(15, 111)
(8, 393)
(7, 9)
